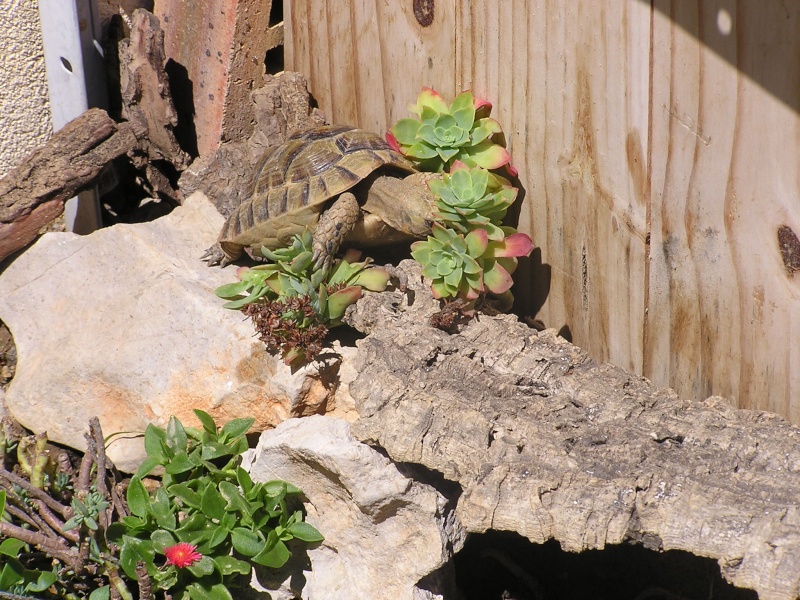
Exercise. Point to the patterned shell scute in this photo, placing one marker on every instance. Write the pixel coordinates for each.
(297, 178)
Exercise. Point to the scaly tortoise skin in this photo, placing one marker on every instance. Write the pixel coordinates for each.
(296, 182)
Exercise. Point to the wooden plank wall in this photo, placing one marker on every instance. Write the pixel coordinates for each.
(658, 146)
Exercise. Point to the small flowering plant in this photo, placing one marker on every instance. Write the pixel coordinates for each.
(442, 134)
(208, 523)
(292, 304)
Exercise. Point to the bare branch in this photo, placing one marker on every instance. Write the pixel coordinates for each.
(64, 511)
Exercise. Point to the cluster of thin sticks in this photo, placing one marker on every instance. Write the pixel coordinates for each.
(45, 516)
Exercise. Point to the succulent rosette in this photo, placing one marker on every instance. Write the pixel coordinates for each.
(464, 266)
(450, 260)
(470, 198)
(443, 134)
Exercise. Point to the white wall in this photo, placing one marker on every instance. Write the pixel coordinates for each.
(25, 121)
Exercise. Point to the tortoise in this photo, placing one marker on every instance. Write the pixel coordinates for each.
(344, 183)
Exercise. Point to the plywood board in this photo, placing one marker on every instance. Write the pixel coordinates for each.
(658, 145)
(570, 84)
(724, 311)
(366, 60)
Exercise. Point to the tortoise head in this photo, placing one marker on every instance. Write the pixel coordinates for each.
(406, 205)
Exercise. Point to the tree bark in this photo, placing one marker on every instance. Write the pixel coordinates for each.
(545, 442)
(34, 192)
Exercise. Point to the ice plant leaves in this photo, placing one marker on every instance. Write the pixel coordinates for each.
(205, 526)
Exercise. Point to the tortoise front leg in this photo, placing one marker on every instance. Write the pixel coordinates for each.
(335, 224)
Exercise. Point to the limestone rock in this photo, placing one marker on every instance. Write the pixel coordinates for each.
(383, 531)
(124, 324)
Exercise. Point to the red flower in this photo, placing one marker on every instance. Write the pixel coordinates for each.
(182, 555)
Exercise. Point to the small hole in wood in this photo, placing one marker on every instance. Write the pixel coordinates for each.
(66, 64)
(276, 12)
(273, 60)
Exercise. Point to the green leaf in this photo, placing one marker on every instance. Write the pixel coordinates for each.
(212, 450)
(161, 509)
(102, 593)
(236, 501)
(138, 498)
(150, 463)
(213, 504)
(305, 532)
(129, 524)
(236, 427)
(204, 566)
(12, 574)
(247, 542)
(2, 502)
(228, 565)
(198, 591)
(180, 464)
(154, 442)
(184, 492)
(273, 555)
(206, 419)
(218, 535)
(44, 580)
(176, 436)
(244, 480)
(134, 550)
(162, 539)
(11, 547)
(405, 131)
(231, 290)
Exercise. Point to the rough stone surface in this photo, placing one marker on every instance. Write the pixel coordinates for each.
(383, 531)
(124, 324)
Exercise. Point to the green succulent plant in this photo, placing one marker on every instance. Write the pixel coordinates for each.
(293, 305)
(472, 198)
(450, 260)
(291, 274)
(443, 134)
(464, 266)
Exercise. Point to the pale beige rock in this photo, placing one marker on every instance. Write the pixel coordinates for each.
(383, 532)
(124, 324)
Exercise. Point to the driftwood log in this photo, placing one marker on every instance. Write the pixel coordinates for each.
(545, 442)
(33, 193)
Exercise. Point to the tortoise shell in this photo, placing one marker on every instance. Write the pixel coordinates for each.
(295, 180)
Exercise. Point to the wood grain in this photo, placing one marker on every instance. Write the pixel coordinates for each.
(658, 157)
(366, 60)
(569, 82)
(724, 312)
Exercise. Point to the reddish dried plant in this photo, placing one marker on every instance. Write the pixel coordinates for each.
(290, 326)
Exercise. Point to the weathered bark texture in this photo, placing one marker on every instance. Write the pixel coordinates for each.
(281, 107)
(550, 444)
(146, 98)
(33, 194)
